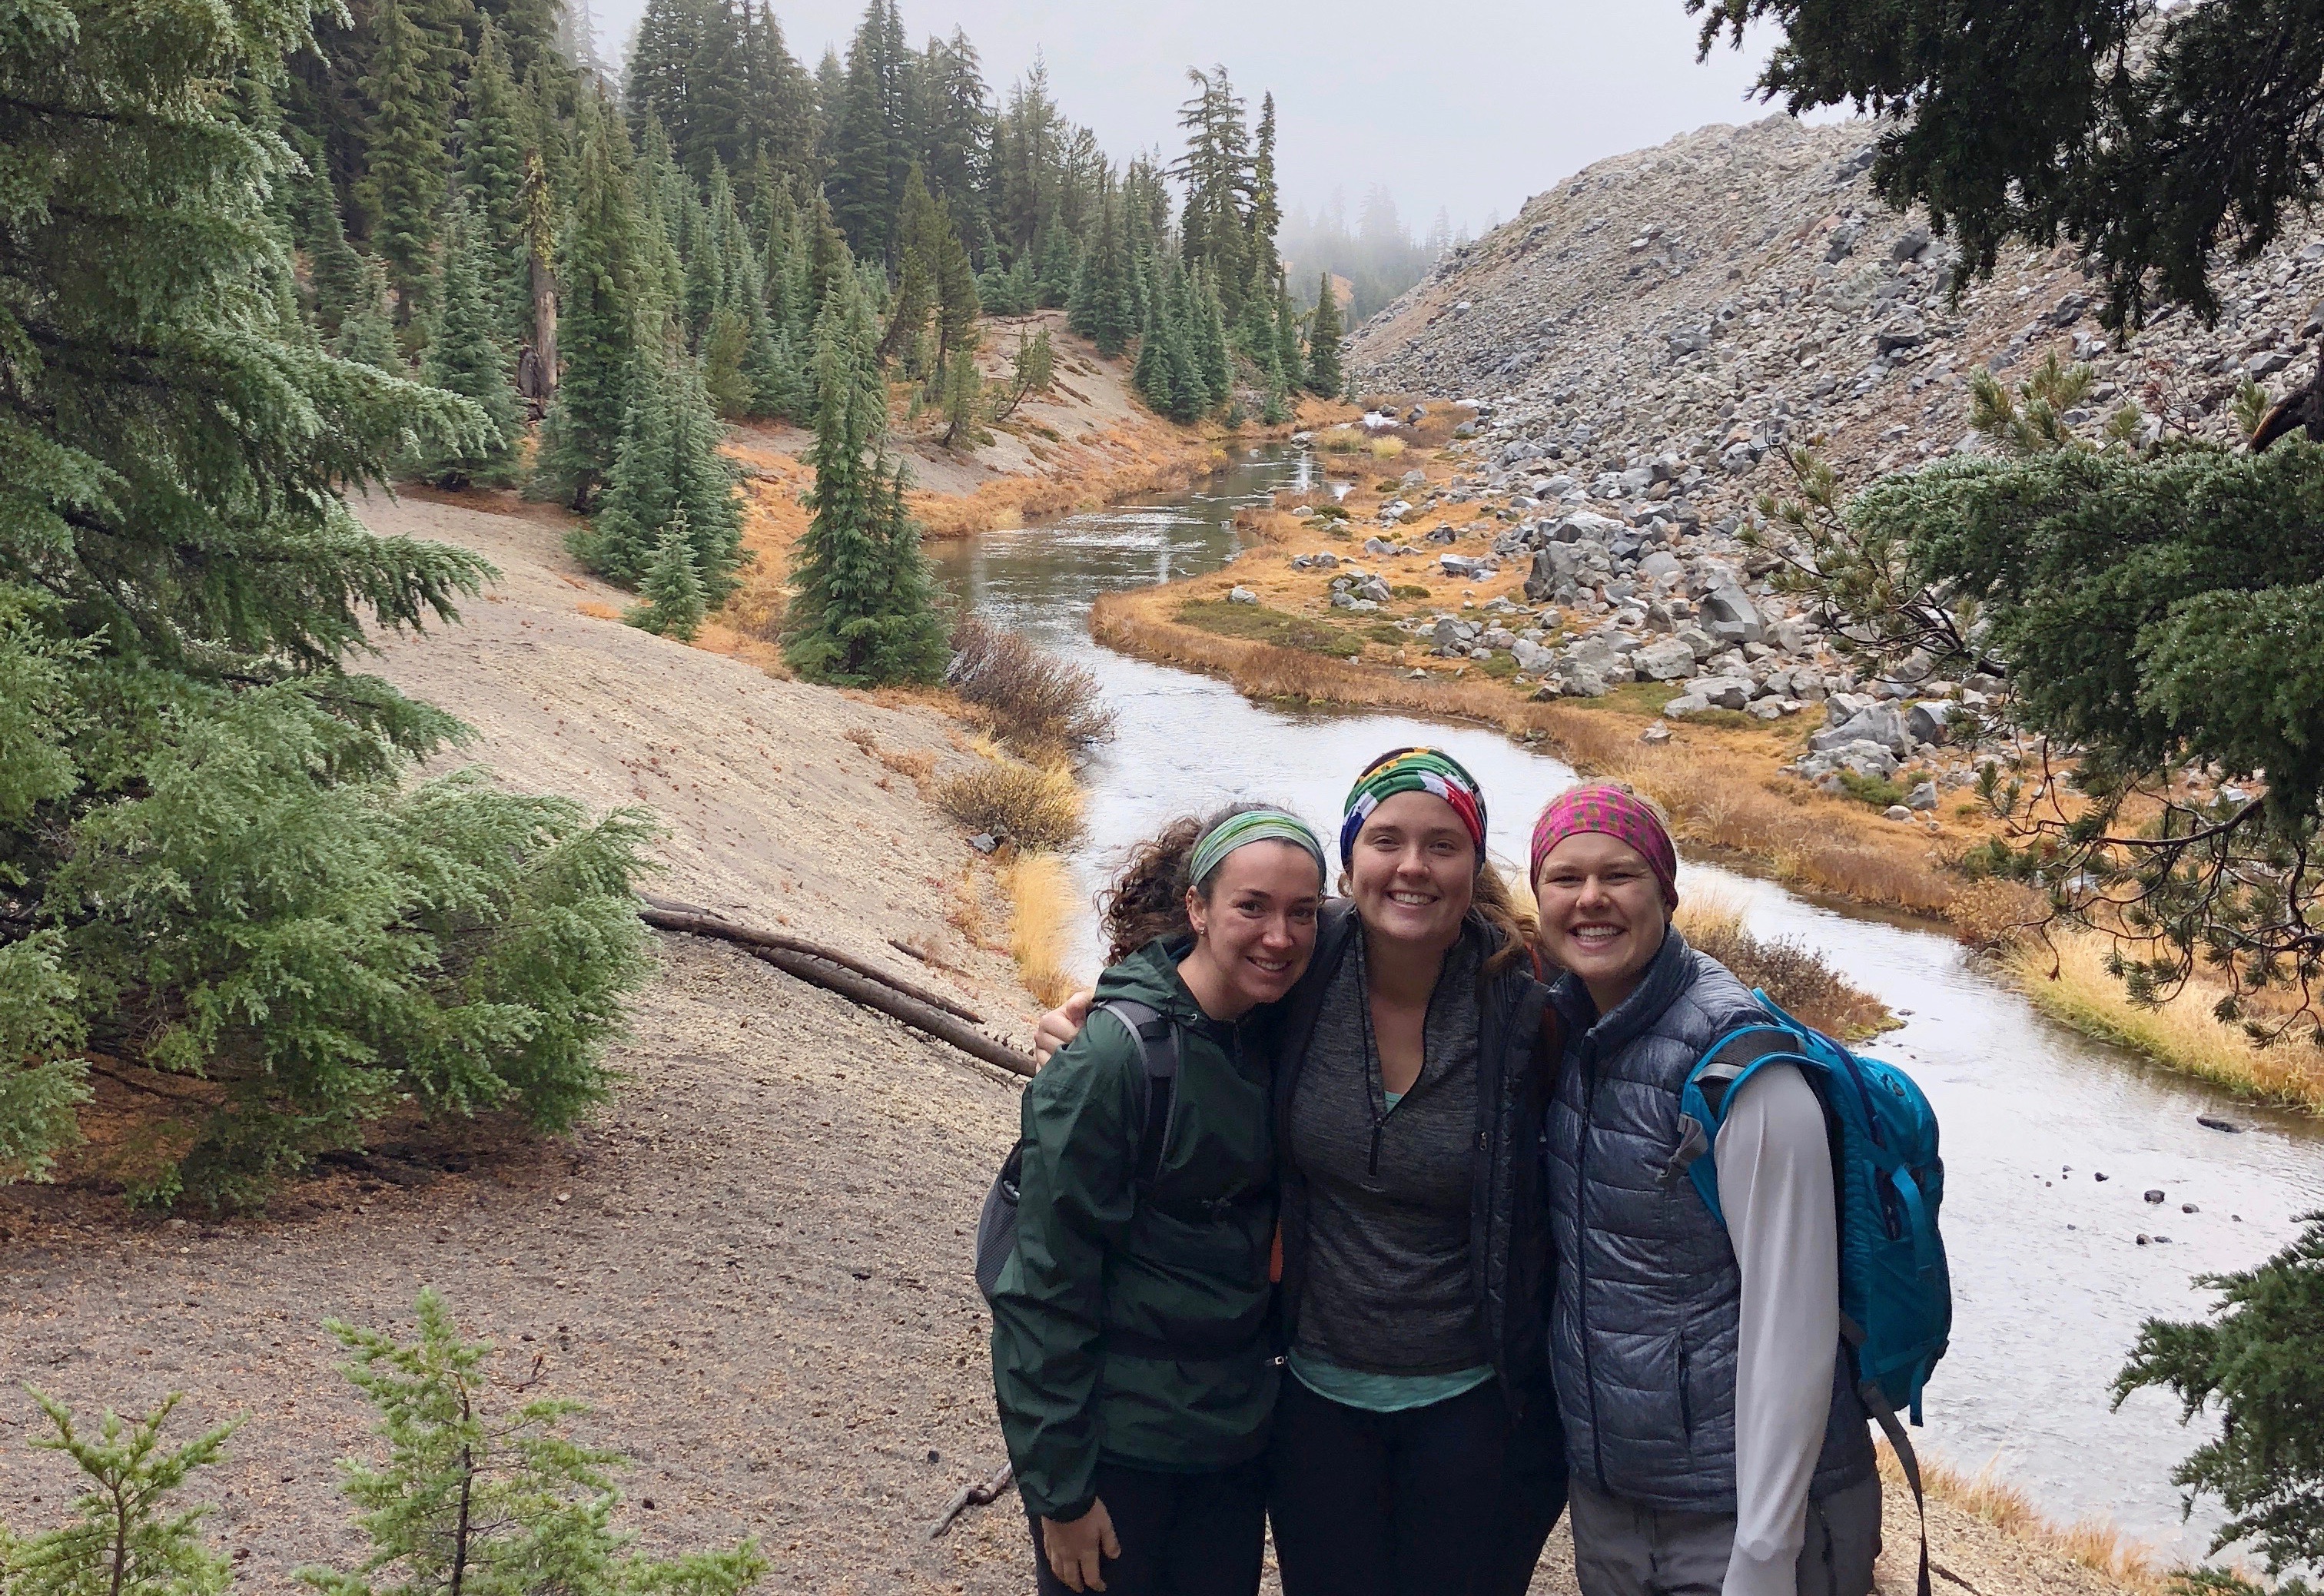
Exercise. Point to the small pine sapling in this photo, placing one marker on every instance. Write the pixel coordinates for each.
(490, 1503)
(675, 601)
(125, 1542)
(964, 406)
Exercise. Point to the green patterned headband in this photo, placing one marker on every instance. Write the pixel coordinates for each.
(1251, 826)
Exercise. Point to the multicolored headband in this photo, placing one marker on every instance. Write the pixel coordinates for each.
(1611, 811)
(1414, 770)
(1252, 826)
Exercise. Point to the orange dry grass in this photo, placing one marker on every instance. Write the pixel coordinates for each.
(1165, 458)
(1041, 899)
(2093, 1542)
(1806, 837)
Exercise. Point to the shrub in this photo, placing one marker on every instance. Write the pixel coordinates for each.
(1387, 448)
(1341, 440)
(1040, 705)
(1797, 978)
(1876, 790)
(1408, 590)
(1031, 806)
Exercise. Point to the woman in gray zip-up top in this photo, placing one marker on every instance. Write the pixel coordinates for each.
(1415, 1451)
(1716, 1447)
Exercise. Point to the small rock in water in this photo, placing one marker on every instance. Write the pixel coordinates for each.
(2144, 1239)
(2153, 1193)
(2208, 1123)
(2189, 1208)
(2161, 1241)
(2097, 1175)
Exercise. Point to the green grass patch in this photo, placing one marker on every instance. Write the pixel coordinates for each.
(1380, 631)
(1408, 590)
(1874, 790)
(1329, 510)
(1500, 665)
(1258, 623)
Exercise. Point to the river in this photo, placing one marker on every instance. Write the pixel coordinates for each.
(2050, 1284)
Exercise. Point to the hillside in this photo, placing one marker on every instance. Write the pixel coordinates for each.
(1739, 287)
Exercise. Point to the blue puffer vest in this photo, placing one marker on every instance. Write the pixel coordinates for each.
(1644, 1321)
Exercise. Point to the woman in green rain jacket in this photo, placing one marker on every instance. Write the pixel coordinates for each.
(1130, 1358)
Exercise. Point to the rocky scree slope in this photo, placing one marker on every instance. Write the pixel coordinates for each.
(1643, 341)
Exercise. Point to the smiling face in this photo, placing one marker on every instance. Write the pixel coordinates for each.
(1414, 871)
(1602, 914)
(1257, 930)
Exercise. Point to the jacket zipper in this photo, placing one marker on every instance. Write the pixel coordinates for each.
(1685, 1403)
(1582, 1252)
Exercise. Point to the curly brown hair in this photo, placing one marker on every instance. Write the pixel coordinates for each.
(1148, 897)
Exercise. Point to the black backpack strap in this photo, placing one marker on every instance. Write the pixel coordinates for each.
(1875, 1403)
(1148, 1027)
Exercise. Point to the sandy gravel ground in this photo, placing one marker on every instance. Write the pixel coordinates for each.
(753, 1266)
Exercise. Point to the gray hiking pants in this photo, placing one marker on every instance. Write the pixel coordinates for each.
(1623, 1549)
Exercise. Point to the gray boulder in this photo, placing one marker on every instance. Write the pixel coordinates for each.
(1244, 595)
(1587, 526)
(1686, 704)
(1532, 658)
(1663, 661)
(1930, 721)
(1729, 615)
(1661, 563)
(1722, 692)
(1922, 797)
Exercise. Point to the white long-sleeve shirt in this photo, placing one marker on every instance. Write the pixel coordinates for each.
(1775, 1187)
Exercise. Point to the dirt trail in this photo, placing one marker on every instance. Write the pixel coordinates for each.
(752, 1265)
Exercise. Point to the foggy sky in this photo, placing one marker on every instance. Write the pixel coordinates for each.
(1470, 107)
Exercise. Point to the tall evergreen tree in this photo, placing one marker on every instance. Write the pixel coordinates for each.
(782, 119)
(1060, 264)
(493, 143)
(956, 150)
(957, 302)
(403, 184)
(340, 274)
(201, 818)
(601, 282)
(920, 256)
(1325, 374)
(1213, 228)
(1263, 261)
(1107, 313)
(1207, 337)
(863, 609)
(668, 466)
(464, 356)
(1290, 358)
(869, 156)
(675, 602)
(366, 333)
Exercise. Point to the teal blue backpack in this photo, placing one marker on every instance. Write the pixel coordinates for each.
(1895, 1295)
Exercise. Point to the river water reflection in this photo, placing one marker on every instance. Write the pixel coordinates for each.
(2050, 1283)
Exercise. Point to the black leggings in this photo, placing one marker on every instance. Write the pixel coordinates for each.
(1181, 1535)
(1432, 1501)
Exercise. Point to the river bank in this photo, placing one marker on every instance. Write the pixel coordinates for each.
(1276, 624)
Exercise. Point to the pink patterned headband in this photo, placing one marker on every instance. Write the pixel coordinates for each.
(1608, 811)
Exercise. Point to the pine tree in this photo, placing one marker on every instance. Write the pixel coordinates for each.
(964, 406)
(1325, 375)
(867, 153)
(1290, 356)
(1206, 322)
(675, 605)
(404, 180)
(1263, 264)
(958, 304)
(126, 1541)
(920, 255)
(640, 491)
(702, 485)
(366, 335)
(601, 283)
(1104, 313)
(1060, 264)
(338, 272)
(200, 806)
(1213, 228)
(493, 176)
(1151, 375)
(486, 1501)
(464, 357)
(863, 609)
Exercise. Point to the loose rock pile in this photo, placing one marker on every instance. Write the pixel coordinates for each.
(1642, 343)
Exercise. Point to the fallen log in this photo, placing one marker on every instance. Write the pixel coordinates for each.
(848, 981)
(972, 1495)
(671, 916)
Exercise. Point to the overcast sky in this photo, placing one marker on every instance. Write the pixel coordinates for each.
(1473, 106)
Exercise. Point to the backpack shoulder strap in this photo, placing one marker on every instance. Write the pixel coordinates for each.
(1157, 1041)
(1733, 1059)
